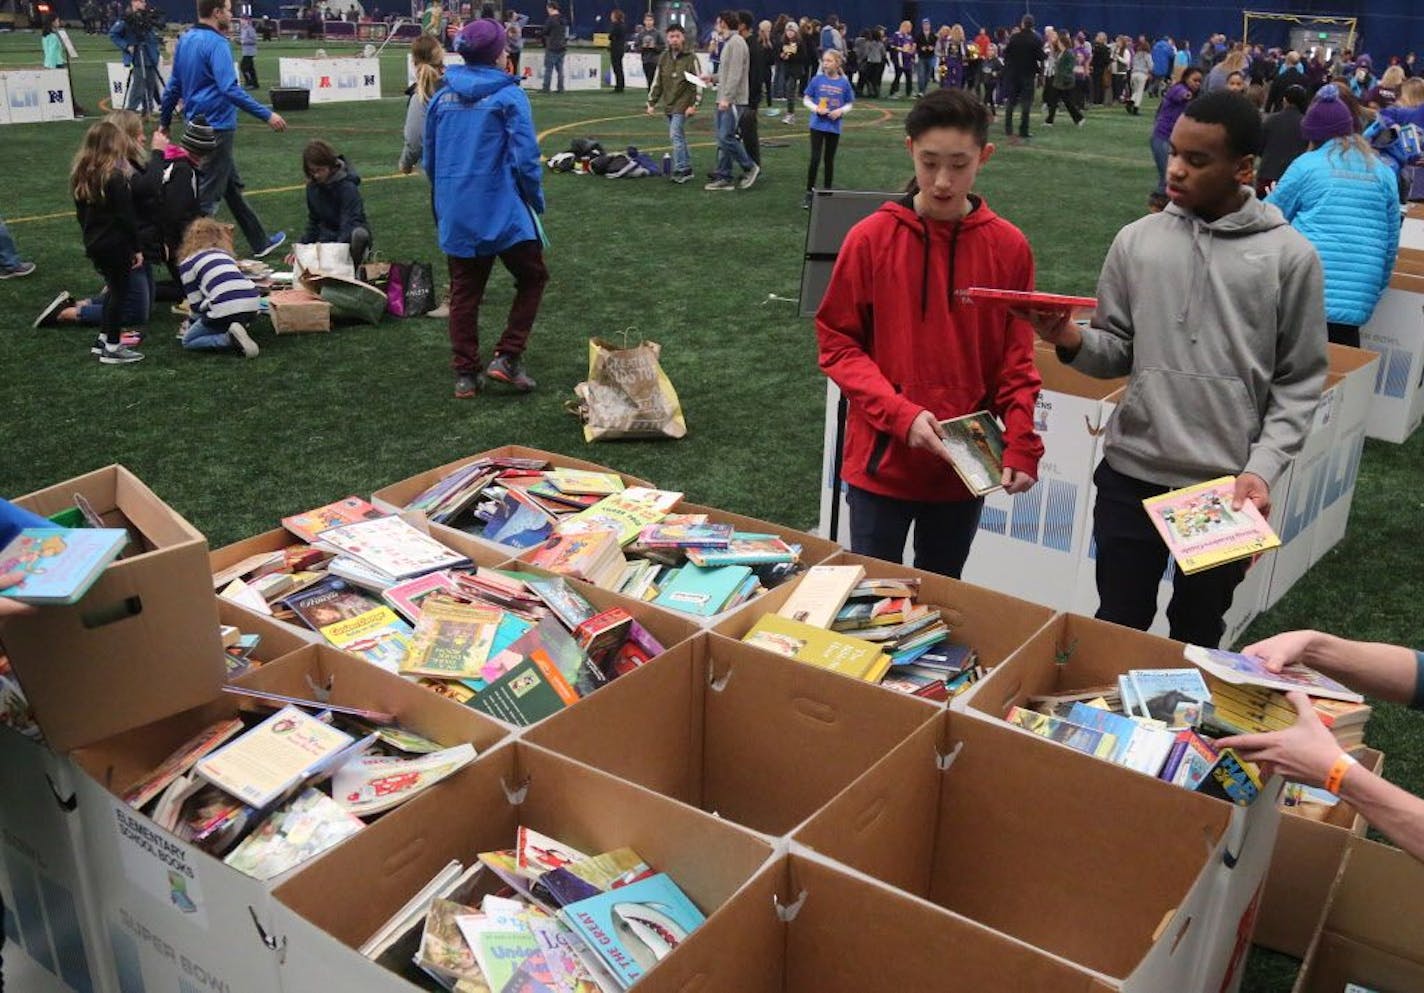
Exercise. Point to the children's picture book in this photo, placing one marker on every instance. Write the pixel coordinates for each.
(264, 763)
(1029, 299)
(391, 546)
(821, 593)
(570, 607)
(1232, 667)
(58, 565)
(527, 693)
(626, 513)
(975, 443)
(328, 601)
(378, 636)
(745, 549)
(308, 525)
(406, 598)
(667, 535)
(182, 759)
(296, 833)
(371, 784)
(1173, 696)
(580, 482)
(536, 854)
(452, 640)
(444, 952)
(816, 646)
(1201, 529)
(702, 591)
(634, 927)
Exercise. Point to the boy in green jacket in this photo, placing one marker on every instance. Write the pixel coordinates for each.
(679, 97)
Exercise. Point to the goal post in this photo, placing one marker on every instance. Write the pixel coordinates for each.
(1334, 31)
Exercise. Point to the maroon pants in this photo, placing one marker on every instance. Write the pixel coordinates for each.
(468, 277)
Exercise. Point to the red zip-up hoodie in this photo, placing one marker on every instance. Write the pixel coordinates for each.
(896, 340)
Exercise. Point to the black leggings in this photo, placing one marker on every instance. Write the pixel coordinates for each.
(794, 85)
(819, 140)
(901, 73)
(1344, 334)
(116, 273)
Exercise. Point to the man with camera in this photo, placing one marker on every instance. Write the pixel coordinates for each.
(136, 35)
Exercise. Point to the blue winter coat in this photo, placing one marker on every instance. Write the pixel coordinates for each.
(482, 158)
(125, 38)
(204, 79)
(1347, 206)
(1164, 53)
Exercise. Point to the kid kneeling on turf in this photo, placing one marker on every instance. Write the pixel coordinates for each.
(335, 210)
(907, 353)
(224, 302)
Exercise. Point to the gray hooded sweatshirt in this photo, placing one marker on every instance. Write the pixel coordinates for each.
(1222, 328)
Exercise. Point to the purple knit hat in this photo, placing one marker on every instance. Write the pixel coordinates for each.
(481, 42)
(1328, 117)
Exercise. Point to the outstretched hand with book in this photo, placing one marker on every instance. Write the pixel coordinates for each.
(1303, 753)
(1250, 486)
(1054, 326)
(925, 433)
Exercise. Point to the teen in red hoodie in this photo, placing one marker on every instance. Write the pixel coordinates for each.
(907, 353)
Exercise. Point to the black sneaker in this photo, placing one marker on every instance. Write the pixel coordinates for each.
(510, 369)
(806, 201)
(49, 317)
(468, 386)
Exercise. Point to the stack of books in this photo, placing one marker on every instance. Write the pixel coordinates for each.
(267, 793)
(538, 916)
(1166, 722)
(871, 629)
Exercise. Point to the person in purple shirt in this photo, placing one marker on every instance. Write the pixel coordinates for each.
(1174, 101)
(901, 47)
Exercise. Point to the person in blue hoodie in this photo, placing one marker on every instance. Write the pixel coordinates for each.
(204, 79)
(482, 158)
(1164, 56)
(335, 210)
(1345, 200)
(134, 35)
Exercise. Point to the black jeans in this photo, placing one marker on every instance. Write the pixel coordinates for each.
(220, 181)
(1344, 334)
(617, 59)
(822, 140)
(650, 70)
(1021, 97)
(1132, 560)
(249, 71)
(943, 531)
(116, 272)
(747, 128)
(1069, 99)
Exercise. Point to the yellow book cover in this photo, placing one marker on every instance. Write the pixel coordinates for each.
(819, 647)
(584, 483)
(627, 513)
(1079, 737)
(1201, 529)
(452, 640)
(377, 635)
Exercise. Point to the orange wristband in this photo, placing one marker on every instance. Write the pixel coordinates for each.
(1336, 775)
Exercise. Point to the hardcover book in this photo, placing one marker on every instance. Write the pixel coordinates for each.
(975, 443)
(634, 927)
(702, 591)
(1201, 529)
(58, 565)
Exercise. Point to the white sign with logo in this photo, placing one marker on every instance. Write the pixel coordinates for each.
(119, 77)
(333, 80)
(32, 96)
(582, 71)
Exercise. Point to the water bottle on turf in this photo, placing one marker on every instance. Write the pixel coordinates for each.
(667, 164)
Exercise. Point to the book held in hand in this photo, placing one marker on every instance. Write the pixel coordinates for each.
(58, 565)
(1233, 667)
(1201, 529)
(975, 443)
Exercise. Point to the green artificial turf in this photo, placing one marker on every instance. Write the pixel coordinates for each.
(235, 445)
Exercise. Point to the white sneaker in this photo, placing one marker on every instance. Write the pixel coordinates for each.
(440, 313)
(749, 177)
(244, 340)
(119, 355)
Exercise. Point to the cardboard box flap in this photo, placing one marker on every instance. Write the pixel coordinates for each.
(1337, 960)
(1378, 900)
(1346, 360)
(1059, 377)
(150, 620)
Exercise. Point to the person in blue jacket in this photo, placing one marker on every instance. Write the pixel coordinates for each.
(482, 158)
(1345, 200)
(134, 35)
(1164, 55)
(204, 79)
(13, 520)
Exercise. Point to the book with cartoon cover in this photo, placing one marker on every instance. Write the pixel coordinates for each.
(634, 927)
(328, 601)
(1231, 779)
(295, 834)
(452, 640)
(745, 548)
(378, 636)
(1233, 667)
(975, 443)
(391, 546)
(625, 513)
(311, 523)
(444, 953)
(58, 565)
(371, 784)
(1202, 530)
(408, 597)
(1089, 741)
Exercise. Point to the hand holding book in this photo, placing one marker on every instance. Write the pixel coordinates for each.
(1304, 752)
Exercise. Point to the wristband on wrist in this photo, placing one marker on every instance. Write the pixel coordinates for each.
(1336, 776)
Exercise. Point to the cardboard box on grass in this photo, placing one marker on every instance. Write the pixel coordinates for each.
(1074, 653)
(759, 740)
(1371, 927)
(394, 496)
(1396, 332)
(175, 915)
(1304, 864)
(1358, 369)
(809, 926)
(993, 624)
(150, 621)
(1089, 862)
(50, 915)
(327, 910)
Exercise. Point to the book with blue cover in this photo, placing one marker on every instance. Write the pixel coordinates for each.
(58, 565)
(634, 927)
(703, 591)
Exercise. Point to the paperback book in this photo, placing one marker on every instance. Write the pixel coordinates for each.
(975, 443)
(635, 927)
(308, 525)
(392, 547)
(452, 640)
(1202, 530)
(372, 784)
(261, 765)
(1232, 667)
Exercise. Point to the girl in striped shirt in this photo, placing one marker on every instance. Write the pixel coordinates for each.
(224, 301)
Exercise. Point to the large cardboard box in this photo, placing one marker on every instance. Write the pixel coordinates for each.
(324, 912)
(1396, 332)
(50, 917)
(1371, 930)
(1303, 868)
(1358, 370)
(995, 625)
(809, 926)
(176, 917)
(1099, 866)
(89, 670)
(395, 496)
(1411, 234)
(760, 740)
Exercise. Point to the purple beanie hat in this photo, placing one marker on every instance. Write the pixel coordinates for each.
(1328, 117)
(481, 42)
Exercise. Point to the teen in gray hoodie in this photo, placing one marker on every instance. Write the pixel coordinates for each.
(1215, 308)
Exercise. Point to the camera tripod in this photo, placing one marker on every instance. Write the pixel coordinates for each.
(150, 99)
